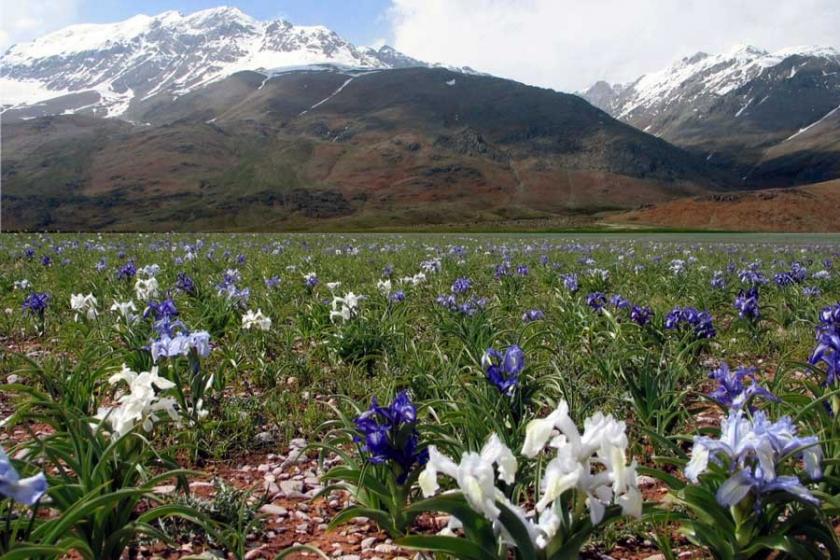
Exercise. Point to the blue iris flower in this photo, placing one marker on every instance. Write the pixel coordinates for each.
(641, 315)
(732, 391)
(827, 351)
(185, 284)
(619, 302)
(753, 449)
(461, 285)
(503, 370)
(127, 271)
(160, 310)
(389, 434)
(570, 282)
(699, 321)
(596, 300)
(25, 491)
(533, 315)
(747, 304)
(36, 303)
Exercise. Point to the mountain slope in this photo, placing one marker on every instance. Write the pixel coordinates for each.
(799, 209)
(734, 107)
(312, 148)
(107, 69)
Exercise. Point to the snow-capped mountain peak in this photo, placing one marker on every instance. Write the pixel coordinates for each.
(744, 106)
(110, 66)
(697, 81)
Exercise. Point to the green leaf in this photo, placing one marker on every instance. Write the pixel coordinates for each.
(454, 546)
(518, 532)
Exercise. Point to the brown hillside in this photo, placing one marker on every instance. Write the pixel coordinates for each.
(813, 208)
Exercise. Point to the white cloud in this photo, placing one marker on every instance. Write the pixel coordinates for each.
(24, 20)
(569, 44)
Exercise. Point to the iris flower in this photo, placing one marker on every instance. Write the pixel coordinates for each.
(256, 319)
(25, 491)
(732, 392)
(389, 434)
(503, 370)
(754, 449)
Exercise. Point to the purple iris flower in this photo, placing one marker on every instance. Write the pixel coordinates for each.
(181, 344)
(36, 303)
(533, 315)
(389, 434)
(127, 271)
(798, 272)
(699, 321)
(159, 310)
(461, 285)
(570, 282)
(641, 315)
(747, 304)
(754, 448)
(448, 301)
(169, 326)
(827, 350)
(503, 370)
(472, 306)
(752, 277)
(830, 316)
(468, 307)
(732, 392)
(231, 276)
(619, 302)
(397, 296)
(522, 270)
(596, 300)
(185, 284)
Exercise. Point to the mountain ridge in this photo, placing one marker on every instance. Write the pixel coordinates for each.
(739, 109)
(105, 69)
(310, 148)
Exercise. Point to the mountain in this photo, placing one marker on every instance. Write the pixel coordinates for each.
(797, 209)
(338, 148)
(108, 69)
(739, 108)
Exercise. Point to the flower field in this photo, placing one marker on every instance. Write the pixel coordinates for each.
(464, 396)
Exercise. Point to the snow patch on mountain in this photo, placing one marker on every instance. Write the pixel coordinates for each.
(696, 76)
(712, 74)
(20, 92)
(802, 131)
(170, 53)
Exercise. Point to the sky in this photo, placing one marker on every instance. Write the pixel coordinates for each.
(562, 44)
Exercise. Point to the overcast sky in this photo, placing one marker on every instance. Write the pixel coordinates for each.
(562, 44)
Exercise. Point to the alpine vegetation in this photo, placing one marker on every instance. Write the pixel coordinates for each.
(452, 396)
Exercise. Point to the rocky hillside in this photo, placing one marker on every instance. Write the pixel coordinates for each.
(336, 148)
(740, 108)
(801, 209)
